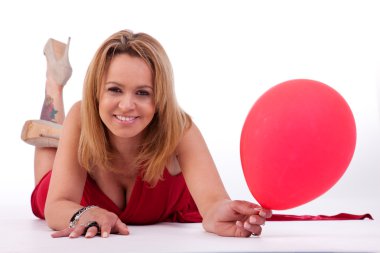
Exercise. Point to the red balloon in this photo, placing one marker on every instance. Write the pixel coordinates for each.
(296, 143)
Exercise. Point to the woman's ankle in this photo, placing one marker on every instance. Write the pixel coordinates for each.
(53, 89)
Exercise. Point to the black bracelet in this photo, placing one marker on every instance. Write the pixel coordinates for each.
(75, 218)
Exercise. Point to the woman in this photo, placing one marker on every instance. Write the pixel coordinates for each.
(127, 153)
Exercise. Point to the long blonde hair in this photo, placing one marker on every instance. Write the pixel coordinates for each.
(164, 132)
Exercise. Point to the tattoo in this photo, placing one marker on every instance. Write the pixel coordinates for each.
(48, 111)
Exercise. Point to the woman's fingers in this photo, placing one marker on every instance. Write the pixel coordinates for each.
(256, 220)
(244, 207)
(78, 231)
(252, 228)
(252, 218)
(246, 229)
(93, 228)
(121, 228)
(91, 232)
(265, 213)
(105, 230)
(62, 233)
(252, 224)
(107, 224)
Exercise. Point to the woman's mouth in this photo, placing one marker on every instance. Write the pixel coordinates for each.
(126, 119)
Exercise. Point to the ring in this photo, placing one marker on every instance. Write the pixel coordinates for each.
(92, 224)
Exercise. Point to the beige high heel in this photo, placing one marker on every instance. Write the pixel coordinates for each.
(41, 133)
(57, 56)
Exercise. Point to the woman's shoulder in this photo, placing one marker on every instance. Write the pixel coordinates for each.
(191, 136)
(74, 115)
(75, 108)
(192, 129)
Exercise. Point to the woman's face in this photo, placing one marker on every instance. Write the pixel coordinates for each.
(126, 104)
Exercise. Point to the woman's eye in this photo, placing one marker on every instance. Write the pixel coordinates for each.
(143, 93)
(114, 89)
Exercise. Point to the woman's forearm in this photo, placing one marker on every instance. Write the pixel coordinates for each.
(58, 213)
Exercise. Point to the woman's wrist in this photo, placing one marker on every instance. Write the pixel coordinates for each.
(210, 214)
(76, 216)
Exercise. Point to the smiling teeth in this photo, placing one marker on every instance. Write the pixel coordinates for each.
(123, 118)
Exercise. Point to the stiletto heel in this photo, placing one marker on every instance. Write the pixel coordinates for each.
(41, 133)
(58, 64)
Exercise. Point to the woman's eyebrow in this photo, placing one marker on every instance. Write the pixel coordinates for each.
(143, 86)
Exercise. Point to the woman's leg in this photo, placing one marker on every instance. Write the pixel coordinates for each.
(52, 110)
(57, 74)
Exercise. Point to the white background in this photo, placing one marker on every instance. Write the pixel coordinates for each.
(225, 54)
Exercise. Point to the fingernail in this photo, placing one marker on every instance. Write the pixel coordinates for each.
(257, 235)
(104, 234)
(262, 214)
(252, 219)
(247, 225)
(239, 224)
(72, 234)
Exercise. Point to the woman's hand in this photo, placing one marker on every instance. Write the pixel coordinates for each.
(235, 218)
(108, 223)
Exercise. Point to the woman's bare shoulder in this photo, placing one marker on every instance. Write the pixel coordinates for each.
(74, 114)
(191, 131)
(192, 137)
(76, 107)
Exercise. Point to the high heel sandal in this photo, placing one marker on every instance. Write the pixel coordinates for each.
(57, 56)
(41, 133)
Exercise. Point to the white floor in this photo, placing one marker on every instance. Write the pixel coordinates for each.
(21, 232)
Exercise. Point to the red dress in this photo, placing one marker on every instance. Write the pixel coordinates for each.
(168, 201)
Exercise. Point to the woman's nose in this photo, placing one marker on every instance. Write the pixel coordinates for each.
(127, 102)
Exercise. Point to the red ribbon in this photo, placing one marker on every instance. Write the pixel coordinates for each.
(341, 216)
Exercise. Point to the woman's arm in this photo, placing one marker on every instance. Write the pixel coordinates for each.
(68, 177)
(220, 214)
(66, 188)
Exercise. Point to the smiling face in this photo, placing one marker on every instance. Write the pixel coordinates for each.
(126, 102)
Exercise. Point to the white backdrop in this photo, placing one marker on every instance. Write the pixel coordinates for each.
(225, 54)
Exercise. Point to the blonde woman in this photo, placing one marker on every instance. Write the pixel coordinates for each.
(127, 153)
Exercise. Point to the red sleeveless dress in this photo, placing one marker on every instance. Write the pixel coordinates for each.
(168, 201)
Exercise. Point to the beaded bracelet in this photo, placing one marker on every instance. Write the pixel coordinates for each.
(74, 220)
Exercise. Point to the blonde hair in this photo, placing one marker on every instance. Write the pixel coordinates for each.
(164, 132)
